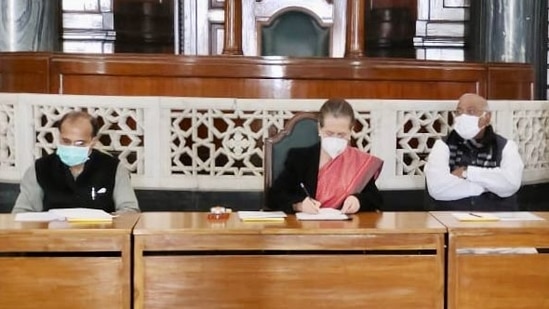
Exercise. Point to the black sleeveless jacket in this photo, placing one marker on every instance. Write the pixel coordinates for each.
(93, 188)
(487, 201)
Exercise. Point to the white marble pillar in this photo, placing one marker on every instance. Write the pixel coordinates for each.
(29, 25)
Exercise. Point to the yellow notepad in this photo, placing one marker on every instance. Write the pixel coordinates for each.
(89, 220)
(262, 216)
(263, 219)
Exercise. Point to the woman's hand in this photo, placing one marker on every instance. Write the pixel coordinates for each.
(308, 205)
(351, 205)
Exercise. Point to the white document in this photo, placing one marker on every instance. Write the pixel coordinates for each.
(496, 216)
(82, 214)
(322, 215)
(262, 215)
(475, 216)
(517, 216)
(44, 216)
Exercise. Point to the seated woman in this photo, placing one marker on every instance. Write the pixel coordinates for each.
(331, 173)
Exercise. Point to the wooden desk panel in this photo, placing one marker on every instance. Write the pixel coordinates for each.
(502, 281)
(375, 260)
(63, 265)
(497, 280)
(62, 282)
(292, 281)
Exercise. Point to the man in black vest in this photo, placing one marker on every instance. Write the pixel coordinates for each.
(76, 175)
(473, 168)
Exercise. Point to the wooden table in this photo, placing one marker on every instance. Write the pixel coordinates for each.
(63, 265)
(497, 280)
(376, 260)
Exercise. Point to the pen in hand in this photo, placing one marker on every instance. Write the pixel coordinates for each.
(309, 204)
(304, 189)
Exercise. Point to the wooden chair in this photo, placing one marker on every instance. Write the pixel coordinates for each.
(295, 34)
(300, 131)
(293, 28)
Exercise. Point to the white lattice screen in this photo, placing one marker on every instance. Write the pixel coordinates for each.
(217, 144)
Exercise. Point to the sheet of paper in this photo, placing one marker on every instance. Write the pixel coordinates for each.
(37, 217)
(262, 215)
(517, 216)
(323, 214)
(475, 216)
(82, 214)
(496, 216)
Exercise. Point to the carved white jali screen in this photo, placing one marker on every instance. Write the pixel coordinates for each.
(120, 131)
(417, 132)
(7, 133)
(217, 144)
(531, 131)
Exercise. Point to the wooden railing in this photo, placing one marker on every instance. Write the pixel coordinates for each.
(260, 77)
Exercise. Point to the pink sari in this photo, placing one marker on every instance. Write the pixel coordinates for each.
(347, 174)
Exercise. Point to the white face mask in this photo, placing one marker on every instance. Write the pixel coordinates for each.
(333, 146)
(467, 126)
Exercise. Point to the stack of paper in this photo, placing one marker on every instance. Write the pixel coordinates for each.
(44, 216)
(68, 214)
(323, 214)
(248, 216)
(82, 214)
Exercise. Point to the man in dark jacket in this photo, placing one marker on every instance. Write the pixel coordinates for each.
(473, 168)
(76, 175)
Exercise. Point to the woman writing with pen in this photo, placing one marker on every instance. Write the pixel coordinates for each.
(331, 173)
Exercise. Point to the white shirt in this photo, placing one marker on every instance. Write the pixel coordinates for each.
(503, 181)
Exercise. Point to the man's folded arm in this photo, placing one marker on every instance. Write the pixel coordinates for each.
(504, 180)
(442, 185)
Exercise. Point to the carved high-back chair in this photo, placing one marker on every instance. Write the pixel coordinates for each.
(295, 34)
(312, 28)
(300, 131)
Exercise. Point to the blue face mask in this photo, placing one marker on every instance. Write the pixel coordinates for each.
(72, 155)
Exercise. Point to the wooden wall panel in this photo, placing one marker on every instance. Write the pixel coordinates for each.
(262, 88)
(24, 72)
(509, 80)
(256, 77)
